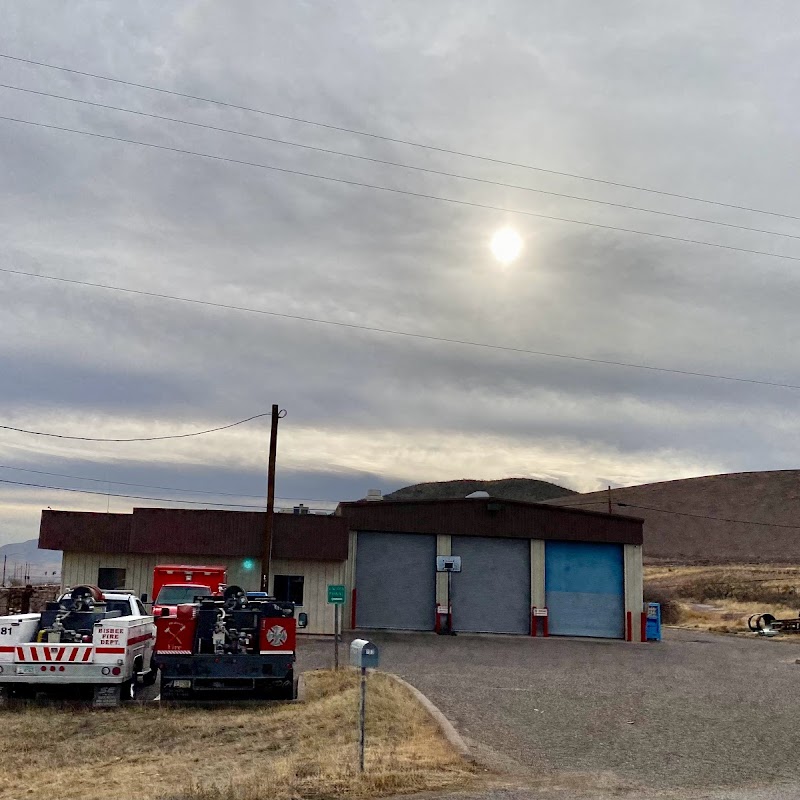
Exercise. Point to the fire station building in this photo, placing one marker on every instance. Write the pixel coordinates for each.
(512, 567)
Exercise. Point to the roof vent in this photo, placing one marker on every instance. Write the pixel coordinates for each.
(374, 494)
(480, 493)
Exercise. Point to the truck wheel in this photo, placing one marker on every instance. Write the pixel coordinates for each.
(288, 692)
(129, 691)
(150, 678)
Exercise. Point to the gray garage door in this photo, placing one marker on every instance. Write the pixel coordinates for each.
(492, 593)
(584, 589)
(396, 581)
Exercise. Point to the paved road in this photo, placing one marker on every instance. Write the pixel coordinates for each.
(697, 715)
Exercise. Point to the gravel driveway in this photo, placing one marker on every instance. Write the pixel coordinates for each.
(690, 714)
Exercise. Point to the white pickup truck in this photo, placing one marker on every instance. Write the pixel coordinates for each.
(102, 640)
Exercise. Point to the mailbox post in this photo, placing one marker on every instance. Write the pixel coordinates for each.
(363, 654)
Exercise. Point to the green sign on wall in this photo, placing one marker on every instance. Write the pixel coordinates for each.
(336, 593)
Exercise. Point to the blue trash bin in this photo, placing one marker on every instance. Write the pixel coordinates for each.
(653, 611)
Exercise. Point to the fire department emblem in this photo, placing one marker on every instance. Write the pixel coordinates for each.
(276, 635)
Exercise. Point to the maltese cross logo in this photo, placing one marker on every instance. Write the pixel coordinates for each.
(276, 635)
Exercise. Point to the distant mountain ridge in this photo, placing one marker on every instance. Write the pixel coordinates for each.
(527, 489)
(42, 563)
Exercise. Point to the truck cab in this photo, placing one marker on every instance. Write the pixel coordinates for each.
(175, 584)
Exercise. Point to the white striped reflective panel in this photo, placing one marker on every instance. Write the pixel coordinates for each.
(52, 652)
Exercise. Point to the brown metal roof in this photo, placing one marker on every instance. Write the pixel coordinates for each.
(491, 517)
(96, 533)
(171, 531)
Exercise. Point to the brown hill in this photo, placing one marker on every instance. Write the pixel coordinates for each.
(527, 489)
(746, 517)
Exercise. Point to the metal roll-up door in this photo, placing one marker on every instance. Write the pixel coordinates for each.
(396, 581)
(584, 587)
(492, 593)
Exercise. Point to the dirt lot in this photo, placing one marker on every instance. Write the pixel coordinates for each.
(274, 751)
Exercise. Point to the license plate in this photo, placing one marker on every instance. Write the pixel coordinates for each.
(26, 670)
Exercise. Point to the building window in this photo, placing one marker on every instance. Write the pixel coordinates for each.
(111, 578)
(289, 588)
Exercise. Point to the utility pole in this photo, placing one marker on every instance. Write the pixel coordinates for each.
(3, 582)
(266, 551)
(609, 500)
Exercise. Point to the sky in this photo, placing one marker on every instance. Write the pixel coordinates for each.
(684, 98)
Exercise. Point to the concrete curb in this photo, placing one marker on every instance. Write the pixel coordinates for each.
(444, 724)
(446, 727)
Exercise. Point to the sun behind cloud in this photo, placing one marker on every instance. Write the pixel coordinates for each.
(506, 245)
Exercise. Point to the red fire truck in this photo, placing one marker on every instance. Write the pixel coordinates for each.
(181, 583)
(228, 644)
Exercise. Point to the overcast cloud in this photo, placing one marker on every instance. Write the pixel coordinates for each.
(695, 99)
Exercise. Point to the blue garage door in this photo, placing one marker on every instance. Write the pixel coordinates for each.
(584, 588)
(396, 581)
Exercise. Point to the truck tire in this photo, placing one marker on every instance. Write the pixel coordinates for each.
(129, 691)
(149, 678)
(288, 692)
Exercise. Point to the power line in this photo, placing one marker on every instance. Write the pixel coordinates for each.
(128, 496)
(706, 516)
(385, 162)
(140, 497)
(604, 502)
(162, 488)
(136, 439)
(406, 192)
(394, 140)
(600, 501)
(394, 332)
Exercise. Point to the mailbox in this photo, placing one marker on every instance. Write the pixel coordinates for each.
(363, 653)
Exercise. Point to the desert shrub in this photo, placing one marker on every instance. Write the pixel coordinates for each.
(671, 609)
(744, 591)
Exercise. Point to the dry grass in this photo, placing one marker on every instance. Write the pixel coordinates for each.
(273, 752)
(721, 598)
